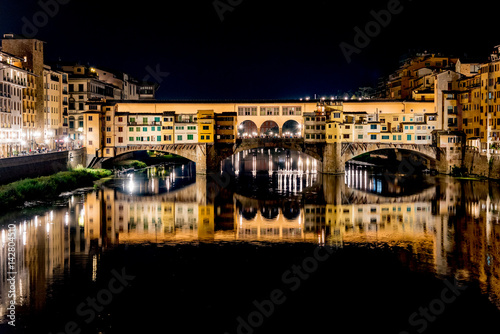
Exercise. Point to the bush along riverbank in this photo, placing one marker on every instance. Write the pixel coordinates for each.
(48, 187)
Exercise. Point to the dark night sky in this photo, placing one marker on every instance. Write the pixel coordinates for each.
(262, 49)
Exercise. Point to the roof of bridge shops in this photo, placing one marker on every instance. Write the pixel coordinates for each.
(110, 102)
(206, 101)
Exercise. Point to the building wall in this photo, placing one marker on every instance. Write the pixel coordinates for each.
(32, 51)
(13, 80)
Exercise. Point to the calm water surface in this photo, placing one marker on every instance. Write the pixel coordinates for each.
(267, 246)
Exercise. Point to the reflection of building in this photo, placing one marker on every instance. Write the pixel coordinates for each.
(42, 250)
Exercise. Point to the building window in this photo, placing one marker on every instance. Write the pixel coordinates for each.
(108, 140)
(179, 137)
(205, 127)
(189, 137)
(120, 119)
(90, 129)
(108, 118)
(90, 118)
(208, 137)
(360, 136)
(130, 138)
(373, 137)
(145, 129)
(373, 127)
(202, 137)
(408, 137)
(385, 137)
(120, 139)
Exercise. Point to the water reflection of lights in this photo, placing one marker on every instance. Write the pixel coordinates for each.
(94, 268)
(131, 184)
(254, 166)
(358, 178)
(81, 219)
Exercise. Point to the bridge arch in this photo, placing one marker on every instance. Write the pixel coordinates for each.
(195, 153)
(248, 129)
(294, 144)
(270, 129)
(418, 154)
(269, 212)
(291, 210)
(291, 129)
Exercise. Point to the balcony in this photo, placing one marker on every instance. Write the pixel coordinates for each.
(16, 81)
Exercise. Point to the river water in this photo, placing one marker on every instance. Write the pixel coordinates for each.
(268, 246)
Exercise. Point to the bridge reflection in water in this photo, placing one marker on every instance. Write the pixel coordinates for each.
(450, 227)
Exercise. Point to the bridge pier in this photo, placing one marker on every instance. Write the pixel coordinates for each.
(333, 160)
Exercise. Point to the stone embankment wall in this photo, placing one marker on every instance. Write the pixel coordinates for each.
(13, 169)
(479, 164)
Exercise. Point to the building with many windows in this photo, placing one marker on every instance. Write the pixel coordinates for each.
(55, 107)
(29, 54)
(13, 80)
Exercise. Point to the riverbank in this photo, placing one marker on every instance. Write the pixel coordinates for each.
(48, 187)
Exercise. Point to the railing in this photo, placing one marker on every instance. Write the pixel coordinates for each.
(17, 81)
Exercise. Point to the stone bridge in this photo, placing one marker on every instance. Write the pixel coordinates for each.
(333, 156)
(336, 155)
